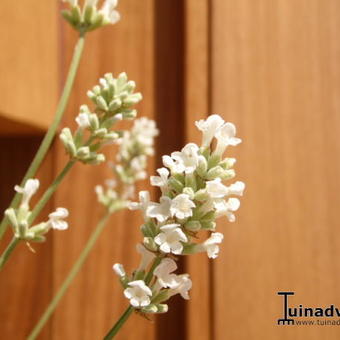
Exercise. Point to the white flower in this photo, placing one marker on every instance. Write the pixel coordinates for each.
(216, 189)
(138, 165)
(30, 188)
(138, 293)
(187, 158)
(225, 136)
(236, 188)
(209, 128)
(170, 239)
(163, 273)
(183, 285)
(211, 245)
(181, 206)
(119, 269)
(226, 208)
(57, 219)
(144, 201)
(108, 11)
(161, 180)
(83, 120)
(176, 166)
(160, 211)
(145, 130)
(147, 256)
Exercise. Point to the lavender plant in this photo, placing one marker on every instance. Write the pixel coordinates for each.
(193, 196)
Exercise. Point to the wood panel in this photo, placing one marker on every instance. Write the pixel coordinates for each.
(276, 75)
(197, 106)
(28, 66)
(26, 278)
(95, 299)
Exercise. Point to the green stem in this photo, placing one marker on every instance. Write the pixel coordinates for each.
(46, 142)
(118, 325)
(50, 191)
(71, 275)
(4, 257)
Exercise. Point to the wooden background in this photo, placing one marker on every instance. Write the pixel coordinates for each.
(272, 68)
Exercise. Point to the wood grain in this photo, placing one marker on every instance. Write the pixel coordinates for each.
(26, 279)
(197, 106)
(28, 66)
(276, 75)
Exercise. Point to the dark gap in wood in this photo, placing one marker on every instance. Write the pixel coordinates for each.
(210, 109)
(170, 115)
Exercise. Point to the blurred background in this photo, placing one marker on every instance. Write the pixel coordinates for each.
(272, 67)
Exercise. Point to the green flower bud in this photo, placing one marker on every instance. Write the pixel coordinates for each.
(228, 174)
(175, 184)
(215, 172)
(150, 244)
(201, 195)
(193, 225)
(162, 296)
(190, 192)
(202, 166)
(115, 104)
(11, 215)
(228, 163)
(101, 103)
(208, 225)
(83, 152)
(162, 308)
(190, 181)
(150, 309)
(213, 161)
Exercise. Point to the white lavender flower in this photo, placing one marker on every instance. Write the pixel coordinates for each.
(193, 196)
(19, 218)
(138, 293)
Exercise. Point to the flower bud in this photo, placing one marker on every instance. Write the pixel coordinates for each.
(190, 192)
(193, 225)
(202, 166)
(150, 244)
(215, 172)
(83, 152)
(150, 309)
(115, 104)
(228, 163)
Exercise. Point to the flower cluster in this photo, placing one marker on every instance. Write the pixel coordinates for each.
(20, 218)
(90, 17)
(134, 148)
(113, 100)
(193, 196)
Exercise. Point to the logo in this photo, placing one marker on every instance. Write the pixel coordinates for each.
(290, 314)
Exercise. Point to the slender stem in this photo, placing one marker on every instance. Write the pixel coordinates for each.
(118, 325)
(50, 191)
(4, 257)
(71, 275)
(46, 142)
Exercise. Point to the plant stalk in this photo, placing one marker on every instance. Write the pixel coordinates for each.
(6, 254)
(47, 141)
(71, 275)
